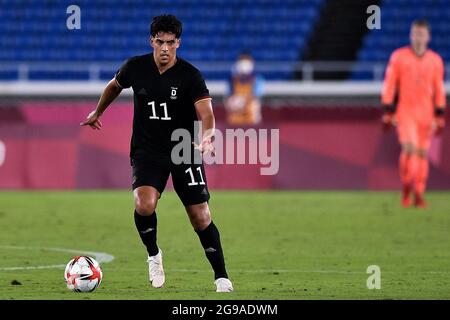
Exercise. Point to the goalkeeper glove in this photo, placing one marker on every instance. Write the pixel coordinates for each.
(388, 118)
(439, 114)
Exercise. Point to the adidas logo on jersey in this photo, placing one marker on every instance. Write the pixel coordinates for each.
(142, 92)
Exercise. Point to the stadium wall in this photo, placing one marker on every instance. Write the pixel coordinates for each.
(42, 146)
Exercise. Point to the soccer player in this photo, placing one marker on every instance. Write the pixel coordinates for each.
(415, 76)
(169, 93)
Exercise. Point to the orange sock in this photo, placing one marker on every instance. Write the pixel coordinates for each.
(421, 175)
(407, 166)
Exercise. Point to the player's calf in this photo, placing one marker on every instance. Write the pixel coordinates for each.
(145, 218)
(209, 236)
(406, 192)
(421, 178)
(210, 240)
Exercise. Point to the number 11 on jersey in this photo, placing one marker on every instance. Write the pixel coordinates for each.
(154, 116)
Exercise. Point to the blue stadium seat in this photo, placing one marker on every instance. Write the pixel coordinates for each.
(396, 16)
(112, 30)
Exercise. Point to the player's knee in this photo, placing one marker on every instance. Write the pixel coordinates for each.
(421, 153)
(145, 206)
(201, 223)
(200, 217)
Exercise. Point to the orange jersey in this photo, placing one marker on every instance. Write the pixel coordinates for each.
(418, 81)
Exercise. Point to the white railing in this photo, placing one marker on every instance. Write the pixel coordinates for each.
(305, 70)
(293, 89)
(307, 86)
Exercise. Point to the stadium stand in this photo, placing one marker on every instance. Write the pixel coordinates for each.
(397, 16)
(340, 19)
(36, 44)
(216, 31)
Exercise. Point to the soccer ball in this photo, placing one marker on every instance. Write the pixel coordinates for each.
(83, 274)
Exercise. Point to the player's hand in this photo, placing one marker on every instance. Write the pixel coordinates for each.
(206, 146)
(388, 121)
(439, 125)
(92, 120)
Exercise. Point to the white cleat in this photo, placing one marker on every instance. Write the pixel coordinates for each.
(156, 270)
(223, 285)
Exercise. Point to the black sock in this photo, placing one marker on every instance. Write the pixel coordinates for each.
(210, 240)
(146, 226)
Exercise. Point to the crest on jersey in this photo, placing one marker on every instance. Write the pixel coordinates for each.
(173, 93)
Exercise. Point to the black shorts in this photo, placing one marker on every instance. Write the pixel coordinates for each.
(189, 180)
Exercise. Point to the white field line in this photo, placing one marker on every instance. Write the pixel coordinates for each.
(101, 257)
(294, 271)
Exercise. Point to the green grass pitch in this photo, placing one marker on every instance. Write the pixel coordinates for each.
(278, 245)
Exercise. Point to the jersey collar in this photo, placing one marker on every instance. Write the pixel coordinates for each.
(416, 55)
(155, 67)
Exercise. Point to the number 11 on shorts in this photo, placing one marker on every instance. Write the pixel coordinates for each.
(191, 174)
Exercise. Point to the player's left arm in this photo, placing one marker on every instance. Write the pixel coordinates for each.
(206, 116)
(439, 96)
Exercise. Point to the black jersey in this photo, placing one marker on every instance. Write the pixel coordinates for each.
(162, 103)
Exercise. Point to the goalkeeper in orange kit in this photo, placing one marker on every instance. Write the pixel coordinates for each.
(415, 76)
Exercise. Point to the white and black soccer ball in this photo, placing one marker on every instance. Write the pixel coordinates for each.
(83, 274)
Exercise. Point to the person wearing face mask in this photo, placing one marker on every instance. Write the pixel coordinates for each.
(243, 105)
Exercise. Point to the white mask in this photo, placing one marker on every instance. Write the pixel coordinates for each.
(244, 67)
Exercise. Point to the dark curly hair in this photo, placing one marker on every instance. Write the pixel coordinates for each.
(166, 23)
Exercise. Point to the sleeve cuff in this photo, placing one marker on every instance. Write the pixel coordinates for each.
(202, 98)
(118, 83)
(389, 108)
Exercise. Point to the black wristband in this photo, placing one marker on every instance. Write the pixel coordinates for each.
(439, 111)
(389, 108)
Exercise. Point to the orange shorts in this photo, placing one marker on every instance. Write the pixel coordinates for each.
(412, 131)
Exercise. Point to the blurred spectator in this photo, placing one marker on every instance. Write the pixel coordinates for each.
(243, 105)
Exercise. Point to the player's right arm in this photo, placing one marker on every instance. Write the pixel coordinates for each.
(122, 80)
(110, 93)
(390, 88)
